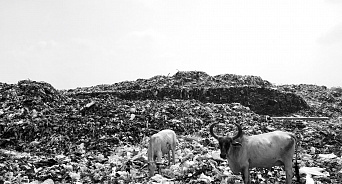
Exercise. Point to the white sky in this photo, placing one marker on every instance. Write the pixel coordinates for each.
(76, 43)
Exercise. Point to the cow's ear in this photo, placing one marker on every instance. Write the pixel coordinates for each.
(236, 144)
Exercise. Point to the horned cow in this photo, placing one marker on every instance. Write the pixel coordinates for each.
(263, 151)
(161, 143)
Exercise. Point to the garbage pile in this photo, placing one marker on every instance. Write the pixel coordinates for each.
(77, 137)
(26, 98)
(128, 115)
(35, 111)
(250, 91)
(322, 100)
(27, 110)
(181, 79)
(232, 79)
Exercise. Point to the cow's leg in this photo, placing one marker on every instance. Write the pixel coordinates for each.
(159, 161)
(246, 176)
(288, 170)
(173, 156)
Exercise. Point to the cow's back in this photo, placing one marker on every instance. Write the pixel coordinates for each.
(168, 138)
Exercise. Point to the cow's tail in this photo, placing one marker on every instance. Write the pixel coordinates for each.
(296, 166)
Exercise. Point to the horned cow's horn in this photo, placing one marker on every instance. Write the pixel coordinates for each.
(212, 130)
(239, 131)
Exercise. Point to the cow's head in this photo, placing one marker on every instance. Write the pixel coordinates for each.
(225, 142)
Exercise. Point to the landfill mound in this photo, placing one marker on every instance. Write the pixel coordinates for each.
(250, 91)
(321, 100)
(27, 97)
(72, 135)
(266, 101)
(36, 111)
(129, 114)
(60, 123)
(181, 79)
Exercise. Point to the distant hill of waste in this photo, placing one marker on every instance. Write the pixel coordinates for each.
(251, 91)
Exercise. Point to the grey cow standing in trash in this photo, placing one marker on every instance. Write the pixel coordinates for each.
(161, 143)
(263, 151)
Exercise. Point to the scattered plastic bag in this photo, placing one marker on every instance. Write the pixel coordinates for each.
(314, 171)
(327, 156)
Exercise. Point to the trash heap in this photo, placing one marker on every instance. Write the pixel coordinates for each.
(233, 80)
(185, 79)
(35, 111)
(182, 79)
(27, 98)
(322, 100)
(250, 91)
(27, 110)
(76, 135)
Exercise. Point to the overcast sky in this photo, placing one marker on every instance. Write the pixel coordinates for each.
(77, 43)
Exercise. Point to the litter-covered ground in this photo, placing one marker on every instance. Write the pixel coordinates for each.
(53, 136)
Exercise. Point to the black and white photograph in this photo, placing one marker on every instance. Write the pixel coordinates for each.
(170, 91)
